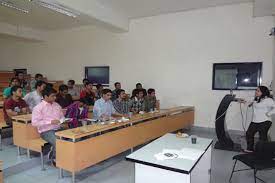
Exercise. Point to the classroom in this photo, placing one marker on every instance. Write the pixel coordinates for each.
(137, 91)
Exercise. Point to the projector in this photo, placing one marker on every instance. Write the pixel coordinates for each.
(272, 32)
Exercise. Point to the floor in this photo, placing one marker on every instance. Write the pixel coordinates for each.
(117, 170)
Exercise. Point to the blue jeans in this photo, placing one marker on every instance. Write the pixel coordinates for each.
(50, 137)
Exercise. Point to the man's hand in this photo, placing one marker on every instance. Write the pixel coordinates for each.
(55, 122)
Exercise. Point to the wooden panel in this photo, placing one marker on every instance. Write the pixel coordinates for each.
(88, 152)
(36, 144)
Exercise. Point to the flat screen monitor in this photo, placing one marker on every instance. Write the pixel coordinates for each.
(99, 74)
(236, 76)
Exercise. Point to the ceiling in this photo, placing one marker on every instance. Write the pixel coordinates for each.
(145, 8)
(39, 17)
(112, 13)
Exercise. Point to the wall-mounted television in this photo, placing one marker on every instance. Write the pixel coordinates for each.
(98, 74)
(236, 76)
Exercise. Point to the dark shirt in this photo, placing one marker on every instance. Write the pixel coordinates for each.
(114, 94)
(123, 106)
(88, 96)
(64, 101)
(150, 103)
(12, 104)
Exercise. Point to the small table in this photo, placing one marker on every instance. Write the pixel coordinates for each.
(149, 169)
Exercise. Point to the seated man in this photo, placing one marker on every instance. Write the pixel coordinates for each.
(63, 98)
(99, 88)
(139, 86)
(150, 101)
(103, 108)
(22, 82)
(77, 111)
(46, 116)
(72, 90)
(7, 91)
(37, 77)
(137, 101)
(35, 97)
(122, 104)
(15, 105)
(88, 93)
(114, 92)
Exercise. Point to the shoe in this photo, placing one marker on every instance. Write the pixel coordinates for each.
(50, 154)
(247, 151)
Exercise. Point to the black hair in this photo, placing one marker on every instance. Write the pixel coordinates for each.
(118, 92)
(12, 79)
(85, 80)
(38, 75)
(63, 87)
(150, 90)
(116, 83)
(39, 83)
(14, 89)
(84, 101)
(106, 90)
(49, 85)
(71, 81)
(265, 93)
(138, 84)
(17, 73)
(98, 86)
(86, 84)
(48, 91)
(136, 91)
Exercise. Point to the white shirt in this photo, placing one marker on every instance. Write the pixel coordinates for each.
(262, 111)
(33, 99)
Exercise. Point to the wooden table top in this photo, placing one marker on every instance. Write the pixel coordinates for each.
(80, 132)
(23, 118)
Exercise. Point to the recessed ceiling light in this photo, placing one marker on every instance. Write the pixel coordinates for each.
(9, 4)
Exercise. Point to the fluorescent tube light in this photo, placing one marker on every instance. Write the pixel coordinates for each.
(12, 6)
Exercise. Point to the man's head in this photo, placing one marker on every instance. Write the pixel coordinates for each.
(99, 87)
(138, 86)
(106, 94)
(14, 82)
(85, 80)
(38, 77)
(49, 94)
(16, 91)
(117, 85)
(83, 102)
(63, 90)
(140, 94)
(20, 75)
(121, 94)
(88, 86)
(71, 84)
(40, 86)
(151, 92)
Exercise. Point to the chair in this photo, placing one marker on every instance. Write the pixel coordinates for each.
(262, 159)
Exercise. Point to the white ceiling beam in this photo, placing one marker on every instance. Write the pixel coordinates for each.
(101, 15)
(22, 32)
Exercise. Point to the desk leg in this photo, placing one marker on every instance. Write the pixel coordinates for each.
(18, 151)
(42, 161)
(28, 153)
(0, 140)
(73, 177)
(60, 173)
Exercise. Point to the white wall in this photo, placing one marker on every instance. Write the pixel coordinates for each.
(172, 53)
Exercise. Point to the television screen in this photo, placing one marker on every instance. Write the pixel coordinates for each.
(236, 76)
(99, 75)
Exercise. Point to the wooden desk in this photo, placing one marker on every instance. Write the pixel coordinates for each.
(23, 131)
(83, 147)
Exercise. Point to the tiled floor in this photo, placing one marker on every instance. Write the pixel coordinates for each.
(117, 170)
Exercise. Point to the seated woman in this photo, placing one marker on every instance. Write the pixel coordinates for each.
(77, 111)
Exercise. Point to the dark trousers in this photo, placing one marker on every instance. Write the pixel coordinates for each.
(253, 128)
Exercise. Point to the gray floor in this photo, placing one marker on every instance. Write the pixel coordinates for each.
(117, 170)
